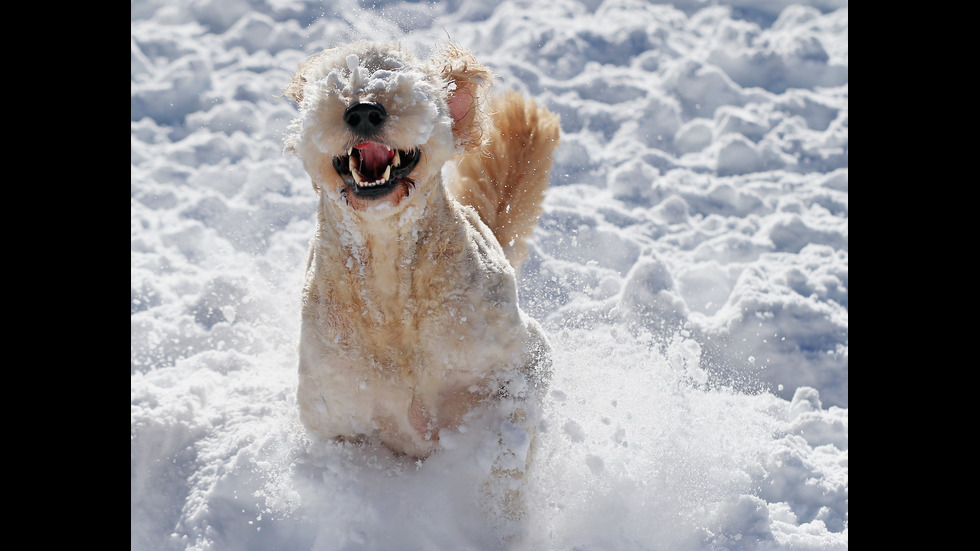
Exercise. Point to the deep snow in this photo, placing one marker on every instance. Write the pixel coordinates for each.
(690, 269)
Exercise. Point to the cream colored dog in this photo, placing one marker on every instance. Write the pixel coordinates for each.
(410, 314)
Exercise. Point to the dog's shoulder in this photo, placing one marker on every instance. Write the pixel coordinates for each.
(484, 239)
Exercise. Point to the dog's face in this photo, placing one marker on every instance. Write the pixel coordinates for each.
(376, 125)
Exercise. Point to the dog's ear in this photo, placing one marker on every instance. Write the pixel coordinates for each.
(295, 88)
(469, 84)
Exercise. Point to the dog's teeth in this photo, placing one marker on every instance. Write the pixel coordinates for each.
(353, 163)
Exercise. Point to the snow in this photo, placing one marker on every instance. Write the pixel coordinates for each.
(690, 269)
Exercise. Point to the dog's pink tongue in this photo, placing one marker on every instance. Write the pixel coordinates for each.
(375, 158)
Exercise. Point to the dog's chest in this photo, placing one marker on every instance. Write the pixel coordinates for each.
(458, 336)
(446, 307)
(401, 377)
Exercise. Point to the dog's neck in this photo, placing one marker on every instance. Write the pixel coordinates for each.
(373, 258)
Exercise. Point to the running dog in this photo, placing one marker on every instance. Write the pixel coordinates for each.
(427, 190)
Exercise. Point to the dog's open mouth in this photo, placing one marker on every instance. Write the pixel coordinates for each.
(373, 170)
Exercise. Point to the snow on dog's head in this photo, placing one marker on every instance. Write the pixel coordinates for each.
(376, 124)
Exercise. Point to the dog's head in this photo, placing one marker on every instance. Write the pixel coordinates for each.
(376, 124)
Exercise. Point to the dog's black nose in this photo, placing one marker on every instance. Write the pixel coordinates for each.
(365, 118)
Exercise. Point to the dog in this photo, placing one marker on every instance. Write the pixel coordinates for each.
(427, 190)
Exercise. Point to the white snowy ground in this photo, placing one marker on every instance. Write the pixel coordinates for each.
(690, 269)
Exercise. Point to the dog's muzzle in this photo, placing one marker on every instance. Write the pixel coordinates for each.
(372, 169)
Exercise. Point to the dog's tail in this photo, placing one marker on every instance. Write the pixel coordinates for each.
(506, 180)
